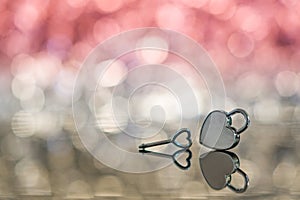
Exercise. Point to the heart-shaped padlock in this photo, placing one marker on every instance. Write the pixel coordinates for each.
(217, 168)
(217, 131)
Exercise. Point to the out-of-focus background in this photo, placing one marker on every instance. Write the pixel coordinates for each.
(255, 45)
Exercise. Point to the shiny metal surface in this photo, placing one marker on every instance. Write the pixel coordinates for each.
(217, 168)
(217, 131)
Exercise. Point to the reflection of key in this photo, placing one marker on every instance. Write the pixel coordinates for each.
(172, 140)
(152, 144)
(174, 156)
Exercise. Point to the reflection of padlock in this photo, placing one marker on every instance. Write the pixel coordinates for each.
(217, 131)
(217, 168)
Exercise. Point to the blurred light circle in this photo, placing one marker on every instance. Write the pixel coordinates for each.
(36, 102)
(23, 65)
(250, 20)
(240, 44)
(27, 172)
(58, 28)
(252, 23)
(289, 3)
(267, 110)
(287, 83)
(47, 124)
(64, 85)
(113, 75)
(247, 18)
(46, 69)
(128, 19)
(158, 99)
(23, 87)
(109, 185)
(244, 89)
(104, 28)
(284, 175)
(111, 120)
(108, 6)
(217, 7)
(155, 55)
(101, 97)
(164, 19)
(64, 12)
(16, 43)
(23, 124)
(23, 13)
(79, 189)
(77, 3)
(229, 11)
(194, 3)
(288, 21)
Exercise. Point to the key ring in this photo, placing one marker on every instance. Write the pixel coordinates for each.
(246, 182)
(245, 116)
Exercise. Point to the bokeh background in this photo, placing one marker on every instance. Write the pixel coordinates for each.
(255, 44)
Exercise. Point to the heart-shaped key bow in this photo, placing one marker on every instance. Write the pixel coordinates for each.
(176, 140)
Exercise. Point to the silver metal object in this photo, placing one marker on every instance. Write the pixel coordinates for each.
(217, 131)
(217, 168)
(174, 156)
(184, 148)
(173, 140)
